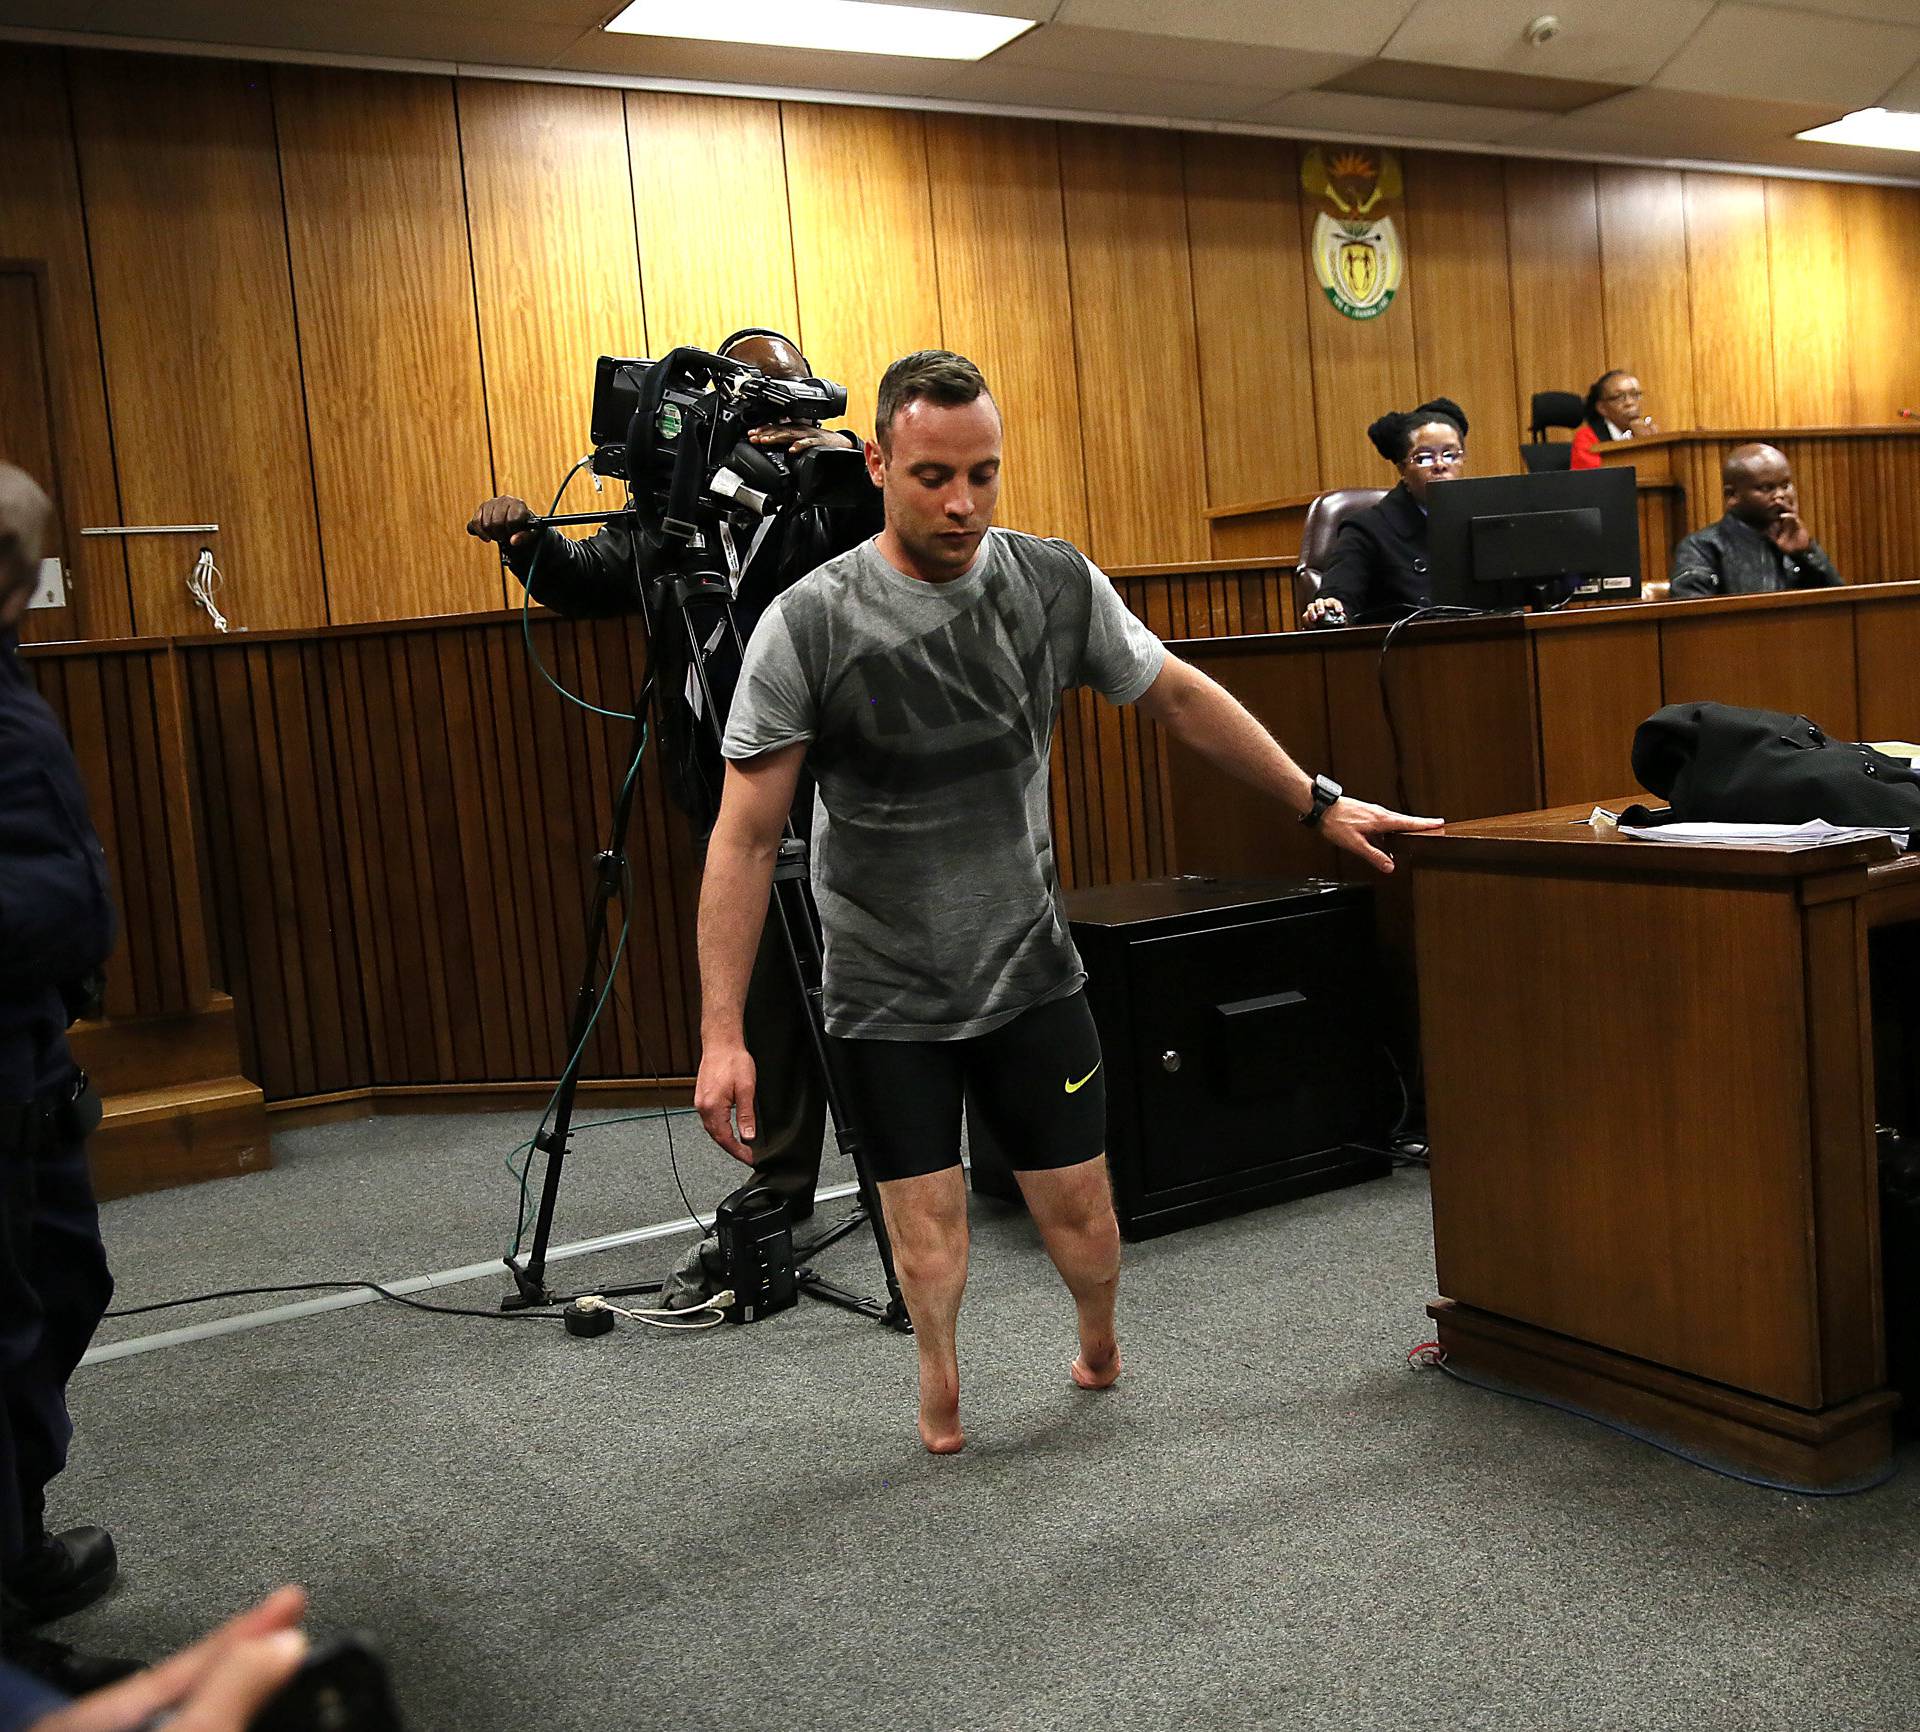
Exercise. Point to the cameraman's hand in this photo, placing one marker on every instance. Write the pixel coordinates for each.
(1351, 824)
(503, 521)
(724, 1092)
(793, 438)
(218, 1685)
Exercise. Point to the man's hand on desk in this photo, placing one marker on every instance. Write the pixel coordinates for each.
(1325, 610)
(1353, 824)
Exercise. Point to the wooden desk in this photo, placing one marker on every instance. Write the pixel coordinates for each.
(1859, 488)
(1650, 1098)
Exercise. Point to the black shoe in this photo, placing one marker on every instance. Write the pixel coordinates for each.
(66, 1669)
(68, 1571)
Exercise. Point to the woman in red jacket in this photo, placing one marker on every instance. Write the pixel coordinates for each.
(1613, 412)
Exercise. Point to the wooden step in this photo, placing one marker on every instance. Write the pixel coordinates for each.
(130, 1054)
(179, 1134)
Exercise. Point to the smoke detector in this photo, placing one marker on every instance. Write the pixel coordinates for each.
(1541, 31)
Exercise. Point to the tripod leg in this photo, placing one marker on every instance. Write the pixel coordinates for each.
(794, 904)
(530, 1279)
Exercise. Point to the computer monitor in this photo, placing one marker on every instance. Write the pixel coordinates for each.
(1514, 541)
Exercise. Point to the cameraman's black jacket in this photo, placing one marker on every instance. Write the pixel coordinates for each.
(1716, 763)
(593, 579)
(56, 919)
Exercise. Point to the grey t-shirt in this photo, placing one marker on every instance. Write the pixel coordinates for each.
(930, 710)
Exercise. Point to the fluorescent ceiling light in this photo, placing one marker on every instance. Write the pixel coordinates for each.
(1880, 128)
(850, 26)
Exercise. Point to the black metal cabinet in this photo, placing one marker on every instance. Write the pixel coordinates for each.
(1241, 1026)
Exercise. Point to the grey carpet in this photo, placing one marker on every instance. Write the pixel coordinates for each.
(1271, 1523)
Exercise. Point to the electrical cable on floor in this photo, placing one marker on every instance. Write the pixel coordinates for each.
(655, 1316)
(331, 1287)
(1431, 1356)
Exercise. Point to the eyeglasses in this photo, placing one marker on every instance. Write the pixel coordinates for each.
(1621, 397)
(1424, 459)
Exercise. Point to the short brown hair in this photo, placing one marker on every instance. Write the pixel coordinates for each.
(938, 375)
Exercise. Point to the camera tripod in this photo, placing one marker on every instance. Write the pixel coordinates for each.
(792, 905)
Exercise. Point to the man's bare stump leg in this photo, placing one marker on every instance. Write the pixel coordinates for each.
(927, 1220)
(1073, 1208)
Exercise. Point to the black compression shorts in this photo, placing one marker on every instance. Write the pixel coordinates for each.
(1038, 1081)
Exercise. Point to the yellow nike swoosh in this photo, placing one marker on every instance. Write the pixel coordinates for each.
(1076, 1087)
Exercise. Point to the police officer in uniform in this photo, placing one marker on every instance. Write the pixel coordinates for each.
(56, 928)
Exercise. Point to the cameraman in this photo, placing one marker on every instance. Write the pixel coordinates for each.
(56, 928)
(593, 579)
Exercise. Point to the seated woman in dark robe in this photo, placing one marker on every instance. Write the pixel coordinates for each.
(1378, 568)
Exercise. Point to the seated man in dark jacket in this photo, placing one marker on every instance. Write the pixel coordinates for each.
(1760, 545)
(593, 579)
(1378, 567)
(56, 928)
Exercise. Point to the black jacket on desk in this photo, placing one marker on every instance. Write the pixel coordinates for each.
(1731, 557)
(1378, 568)
(56, 918)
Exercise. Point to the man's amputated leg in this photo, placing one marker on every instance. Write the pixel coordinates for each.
(927, 1220)
(1073, 1208)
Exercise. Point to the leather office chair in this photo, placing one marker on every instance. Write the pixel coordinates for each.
(1552, 409)
(1324, 517)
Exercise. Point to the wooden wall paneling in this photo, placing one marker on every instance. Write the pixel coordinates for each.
(1893, 483)
(1250, 281)
(1134, 343)
(189, 249)
(523, 867)
(440, 834)
(1800, 662)
(218, 851)
(385, 999)
(333, 920)
(1809, 271)
(1553, 249)
(863, 252)
(1361, 369)
(1596, 684)
(1883, 251)
(1645, 298)
(145, 906)
(706, 167)
(42, 222)
(493, 853)
(383, 287)
(556, 266)
(1463, 316)
(1731, 293)
(1886, 647)
(1220, 826)
(1006, 303)
(26, 425)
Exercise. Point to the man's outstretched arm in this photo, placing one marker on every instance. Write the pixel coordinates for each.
(733, 907)
(1203, 714)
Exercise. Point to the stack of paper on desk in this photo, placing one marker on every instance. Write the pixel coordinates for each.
(1811, 834)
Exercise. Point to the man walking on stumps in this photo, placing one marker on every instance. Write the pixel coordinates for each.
(919, 677)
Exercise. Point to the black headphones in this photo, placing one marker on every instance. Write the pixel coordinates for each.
(762, 331)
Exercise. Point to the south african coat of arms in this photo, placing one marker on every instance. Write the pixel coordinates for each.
(1357, 255)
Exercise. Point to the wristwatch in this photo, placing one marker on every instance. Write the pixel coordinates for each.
(1325, 792)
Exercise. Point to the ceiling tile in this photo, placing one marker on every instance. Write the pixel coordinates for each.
(1754, 50)
(1885, 11)
(1475, 86)
(322, 27)
(733, 63)
(1605, 41)
(1356, 27)
(1184, 59)
(1332, 111)
(1042, 87)
(1905, 94)
(1684, 124)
